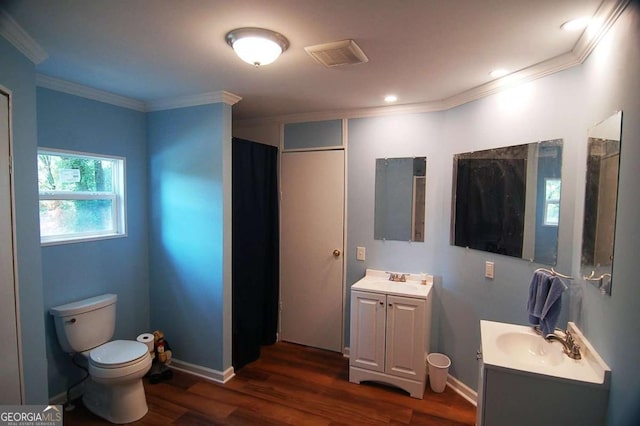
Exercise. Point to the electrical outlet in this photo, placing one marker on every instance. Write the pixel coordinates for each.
(360, 253)
(488, 269)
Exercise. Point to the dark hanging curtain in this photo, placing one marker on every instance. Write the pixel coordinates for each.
(255, 252)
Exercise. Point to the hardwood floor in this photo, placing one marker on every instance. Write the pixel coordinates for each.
(292, 385)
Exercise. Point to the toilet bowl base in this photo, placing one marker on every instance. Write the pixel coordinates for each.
(117, 403)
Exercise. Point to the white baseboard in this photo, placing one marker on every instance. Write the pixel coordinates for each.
(460, 388)
(196, 370)
(224, 376)
(463, 390)
(61, 398)
(203, 372)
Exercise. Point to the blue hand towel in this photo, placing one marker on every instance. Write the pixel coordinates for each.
(545, 301)
(539, 286)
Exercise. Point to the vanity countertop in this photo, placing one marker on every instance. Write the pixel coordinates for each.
(376, 281)
(518, 347)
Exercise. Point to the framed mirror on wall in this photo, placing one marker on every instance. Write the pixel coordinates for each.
(600, 202)
(507, 200)
(400, 197)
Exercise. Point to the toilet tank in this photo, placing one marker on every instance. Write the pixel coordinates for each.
(85, 324)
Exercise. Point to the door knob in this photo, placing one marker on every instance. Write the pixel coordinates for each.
(336, 253)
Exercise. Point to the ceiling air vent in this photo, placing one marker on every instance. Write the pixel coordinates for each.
(345, 52)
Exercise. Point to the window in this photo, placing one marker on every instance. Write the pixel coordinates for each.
(81, 196)
(551, 201)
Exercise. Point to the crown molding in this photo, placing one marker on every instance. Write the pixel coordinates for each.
(131, 103)
(607, 14)
(531, 73)
(534, 72)
(193, 100)
(20, 39)
(88, 92)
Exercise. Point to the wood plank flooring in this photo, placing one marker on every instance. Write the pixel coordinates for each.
(290, 385)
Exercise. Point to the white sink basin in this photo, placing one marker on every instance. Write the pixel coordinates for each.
(530, 349)
(378, 282)
(518, 347)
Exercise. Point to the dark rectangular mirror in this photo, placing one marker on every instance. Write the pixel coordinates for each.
(400, 196)
(507, 200)
(600, 202)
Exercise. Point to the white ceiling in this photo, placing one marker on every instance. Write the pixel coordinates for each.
(420, 50)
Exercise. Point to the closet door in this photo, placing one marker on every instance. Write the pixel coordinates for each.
(312, 239)
(10, 393)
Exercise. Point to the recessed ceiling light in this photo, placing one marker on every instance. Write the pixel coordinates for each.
(390, 98)
(595, 25)
(577, 24)
(497, 73)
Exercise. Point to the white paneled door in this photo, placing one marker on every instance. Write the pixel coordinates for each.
(312, 239)
(10, 393)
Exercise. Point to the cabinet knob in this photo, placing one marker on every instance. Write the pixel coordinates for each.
(336, 253)
(381, 303)
(391, 305)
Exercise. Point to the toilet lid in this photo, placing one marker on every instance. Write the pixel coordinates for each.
(117, 353)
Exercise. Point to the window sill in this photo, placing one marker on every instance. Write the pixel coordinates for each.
(83, 239)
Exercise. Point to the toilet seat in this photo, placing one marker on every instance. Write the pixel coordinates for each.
(118, 354)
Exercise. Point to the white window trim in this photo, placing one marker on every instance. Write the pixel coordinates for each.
(548, 202)
(118, 197)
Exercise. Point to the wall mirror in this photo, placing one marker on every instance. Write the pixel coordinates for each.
(400, 196)
(507, 200)
(600, 202)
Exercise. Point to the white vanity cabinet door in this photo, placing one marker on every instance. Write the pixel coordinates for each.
(367, 330)
(405, 345)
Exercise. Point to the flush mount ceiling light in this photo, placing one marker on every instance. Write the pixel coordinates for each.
(390, 98)
(257, 46)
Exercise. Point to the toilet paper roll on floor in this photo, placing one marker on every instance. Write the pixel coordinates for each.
(147, 339)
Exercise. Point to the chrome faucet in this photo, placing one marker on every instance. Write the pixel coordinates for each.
(571, 348)
(402, 278)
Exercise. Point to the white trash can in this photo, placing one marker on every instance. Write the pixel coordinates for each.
(438, 371)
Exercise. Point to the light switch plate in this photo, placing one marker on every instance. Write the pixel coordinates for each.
(360, 253)
(489, 269)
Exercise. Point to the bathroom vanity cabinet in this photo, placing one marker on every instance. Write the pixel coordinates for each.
(390, 324)
(527, 381)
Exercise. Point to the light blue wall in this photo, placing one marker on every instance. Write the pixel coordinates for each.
(189, 240)
(17, 74)
(518, 116)
(80, 270)
(613, 323)
(541, 110)
(387, 137)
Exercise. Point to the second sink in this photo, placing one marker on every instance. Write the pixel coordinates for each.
(530, 348)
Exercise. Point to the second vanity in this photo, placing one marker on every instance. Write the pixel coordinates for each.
(390, 330)
(526, 380)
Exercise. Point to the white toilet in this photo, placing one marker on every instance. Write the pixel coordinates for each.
(114, 390)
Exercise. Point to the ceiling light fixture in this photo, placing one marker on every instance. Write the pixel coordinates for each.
(257, 46)
(390, 98)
